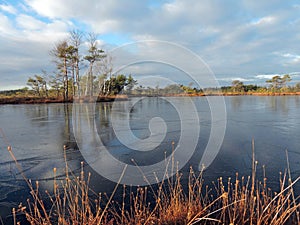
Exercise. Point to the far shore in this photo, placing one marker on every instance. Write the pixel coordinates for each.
(235, 94)
(45, 100)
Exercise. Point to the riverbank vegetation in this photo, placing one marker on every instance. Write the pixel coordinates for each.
(241, 200)
(121, 87)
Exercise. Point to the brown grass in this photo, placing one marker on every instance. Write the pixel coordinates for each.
(242, 200)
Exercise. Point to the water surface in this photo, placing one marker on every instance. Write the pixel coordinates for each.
(37, 134)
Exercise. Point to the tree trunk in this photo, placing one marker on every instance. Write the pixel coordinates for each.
(66, 94)
(77, 76)
(90, 80)
(73, 80)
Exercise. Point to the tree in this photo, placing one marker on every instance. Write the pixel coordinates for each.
(56, 83)
(274, 82)
(107, 71)
(297, 86)
(285, 79)
(130, 83)
(103, 71)
(187, 89)
(173, 89)
(32, 82)
(61, 52)
(38, 85)
(71, 60)
(250, 87)
(43, 81)
(101, 83)
(95, 54)
(237, 86)
(76, 39)
(117, 84)
(278, 82)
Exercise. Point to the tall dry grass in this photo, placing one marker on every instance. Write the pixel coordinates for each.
(242, 200)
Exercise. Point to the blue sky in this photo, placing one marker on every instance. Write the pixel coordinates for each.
(247, 40)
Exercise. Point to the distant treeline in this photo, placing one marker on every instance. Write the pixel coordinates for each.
(278, 84)
(127, 85)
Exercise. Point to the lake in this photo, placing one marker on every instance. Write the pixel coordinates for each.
(37, 134)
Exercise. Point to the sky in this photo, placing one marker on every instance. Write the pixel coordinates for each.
(237, 39)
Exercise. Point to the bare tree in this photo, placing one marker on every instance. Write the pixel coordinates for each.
(76, 40)
(107, 71)
(38, 84)
(95, 54)
(237, 86)
(60, 52)
(56, 83)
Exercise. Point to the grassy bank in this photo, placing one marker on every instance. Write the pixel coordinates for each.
(240, 200)
(29, 100)
(44, 100)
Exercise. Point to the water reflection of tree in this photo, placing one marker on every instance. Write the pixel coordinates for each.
(236, 102)
(57, 115)
(297, 101)
(37, 114)
(53, 124)
(69, 139)
(279, 103)
(103, 111)
(103, 122)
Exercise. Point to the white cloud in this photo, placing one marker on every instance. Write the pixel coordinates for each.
(264, 20)
(51, 9)
(105, 26)
(5, 25)
(230, 79)
(8, 8)
(266, 76)
(29, 22)
(143, 37)
(33, 30)
(293, 57)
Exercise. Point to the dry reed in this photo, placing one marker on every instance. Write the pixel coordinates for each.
(234, 201)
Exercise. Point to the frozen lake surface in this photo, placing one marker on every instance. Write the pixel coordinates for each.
(37, 134)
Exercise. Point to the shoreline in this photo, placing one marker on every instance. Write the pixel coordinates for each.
(43, 100)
